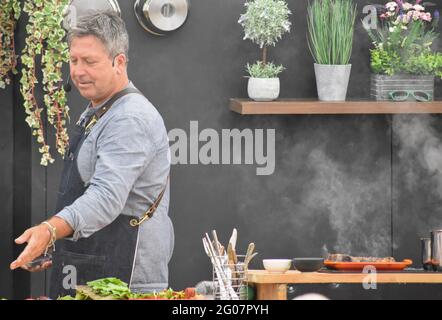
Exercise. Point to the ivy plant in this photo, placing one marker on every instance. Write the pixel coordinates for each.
(9, 14)
(45, 40)
(264, 23)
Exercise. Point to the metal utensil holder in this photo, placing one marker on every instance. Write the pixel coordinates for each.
(232, 285)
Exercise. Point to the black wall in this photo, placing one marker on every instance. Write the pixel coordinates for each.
(6, 193)
(359, 184)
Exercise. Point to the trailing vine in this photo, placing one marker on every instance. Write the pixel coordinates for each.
(9, 14)
(45, 39)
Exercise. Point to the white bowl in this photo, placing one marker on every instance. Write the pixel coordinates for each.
(277, 265)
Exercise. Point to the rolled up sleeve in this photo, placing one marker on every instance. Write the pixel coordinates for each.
(124, 149)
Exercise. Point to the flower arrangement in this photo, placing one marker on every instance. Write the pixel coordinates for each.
(264, 23)
(9, 13)
(403, 40)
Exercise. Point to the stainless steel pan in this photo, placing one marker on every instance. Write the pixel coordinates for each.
(161, 17)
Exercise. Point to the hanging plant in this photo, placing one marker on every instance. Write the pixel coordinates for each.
(9, 14)
(45, 39)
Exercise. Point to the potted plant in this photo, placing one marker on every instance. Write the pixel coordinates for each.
(330, 35)
(403, 62)
(264, 23)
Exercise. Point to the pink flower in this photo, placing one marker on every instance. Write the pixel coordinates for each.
(426, 17)
(413, 14)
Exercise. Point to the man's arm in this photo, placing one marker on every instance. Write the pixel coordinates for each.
(123, 151)
(38, 238)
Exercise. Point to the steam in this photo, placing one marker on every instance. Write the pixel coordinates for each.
(420, 168)
(358, 208)
(420, 152)
(324, 195)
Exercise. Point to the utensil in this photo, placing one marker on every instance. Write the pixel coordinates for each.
(222, 288)
(231, 260)
(426, 253)
(220, 266)
(308, 264)
(277, 265)
(217, 243)
(359, 266)
(436, 250)
(249, 259)
(161, 17)
(250, 250)
(234, 238)
(78, 8)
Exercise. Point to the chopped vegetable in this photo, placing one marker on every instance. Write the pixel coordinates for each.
(114, 288)
(168, 294)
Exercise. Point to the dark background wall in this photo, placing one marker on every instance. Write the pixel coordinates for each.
(358, 184)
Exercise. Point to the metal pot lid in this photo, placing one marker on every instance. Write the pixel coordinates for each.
(78, 8)
(161, 17)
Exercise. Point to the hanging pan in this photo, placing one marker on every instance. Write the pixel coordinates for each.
(78, 8)
(161, 17)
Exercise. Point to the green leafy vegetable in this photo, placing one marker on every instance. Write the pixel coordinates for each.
(110, 287)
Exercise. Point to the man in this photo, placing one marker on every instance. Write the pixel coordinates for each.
(116, 168)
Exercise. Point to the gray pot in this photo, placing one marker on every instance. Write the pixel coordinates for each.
(332, 81)
(263, 89)
(382, 85)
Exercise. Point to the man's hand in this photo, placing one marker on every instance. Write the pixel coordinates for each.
(37, 239)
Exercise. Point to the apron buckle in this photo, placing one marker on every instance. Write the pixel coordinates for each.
(136, 223)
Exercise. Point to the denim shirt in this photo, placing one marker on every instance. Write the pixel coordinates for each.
(125, 162)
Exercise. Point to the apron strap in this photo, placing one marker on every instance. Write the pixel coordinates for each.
(94, 119)
(149, 213)
(100, 112)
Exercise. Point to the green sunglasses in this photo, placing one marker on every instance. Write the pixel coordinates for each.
(404, 95)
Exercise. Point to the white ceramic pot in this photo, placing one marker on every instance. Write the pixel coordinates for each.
(263, 89)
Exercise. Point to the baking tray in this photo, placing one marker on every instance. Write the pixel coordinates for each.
(359, 266)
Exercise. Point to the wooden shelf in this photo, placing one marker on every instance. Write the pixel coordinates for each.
(298, 106)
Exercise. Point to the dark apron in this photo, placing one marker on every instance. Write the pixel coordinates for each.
(109, 252)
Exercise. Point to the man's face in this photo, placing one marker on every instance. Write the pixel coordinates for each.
(91, 68)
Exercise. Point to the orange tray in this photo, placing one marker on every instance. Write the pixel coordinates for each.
(359, 266)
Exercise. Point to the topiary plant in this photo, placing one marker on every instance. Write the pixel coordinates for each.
(264, 23)
(9, 14)
(45, 39)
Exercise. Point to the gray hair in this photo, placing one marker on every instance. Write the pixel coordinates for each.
(106, 26)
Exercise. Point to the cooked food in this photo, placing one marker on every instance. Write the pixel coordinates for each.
(347, 258)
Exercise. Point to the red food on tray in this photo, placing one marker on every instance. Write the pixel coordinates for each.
(359, 266)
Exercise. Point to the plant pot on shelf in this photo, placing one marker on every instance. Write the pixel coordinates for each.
(263, 89)
(332, 81)
(383, 85)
